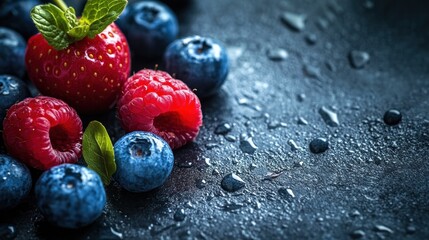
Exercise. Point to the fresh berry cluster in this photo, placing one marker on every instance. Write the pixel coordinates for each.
(80, 66)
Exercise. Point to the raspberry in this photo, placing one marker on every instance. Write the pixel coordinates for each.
(43, 132)
(155, 102)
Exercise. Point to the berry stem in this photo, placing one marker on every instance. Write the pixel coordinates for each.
(61, 4)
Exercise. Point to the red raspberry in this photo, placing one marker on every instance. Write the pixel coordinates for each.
(43, 132)
(155, 102)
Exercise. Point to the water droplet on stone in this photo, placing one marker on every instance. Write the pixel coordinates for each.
(179, 215)
(231, 183)
(211, 145)
(392, 117)
(277, 54)
(247, 145)
(411, 229)
(223, 128)
(382, 228)
(116, 233)
(311, 71)
(200, 183)
(7, 232)
(215, 172)
(322, 23)
(356, 234)
(276, 124)
(302, 121)
(358, 59)
(231, 206)
(301, 97)
(319, 145)
(311, 38)
(294, 21)
(286, 193)
(294, 146)
(230, 138)
(330, 66)
(330, 117)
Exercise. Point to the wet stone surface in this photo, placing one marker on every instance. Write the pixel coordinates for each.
(372, 182)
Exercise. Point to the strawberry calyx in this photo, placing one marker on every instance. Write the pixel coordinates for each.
(60, 26)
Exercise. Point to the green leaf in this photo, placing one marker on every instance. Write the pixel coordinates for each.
(101, 13)
(98, 151)
(52, 24)
(79, 32)
(71, 19)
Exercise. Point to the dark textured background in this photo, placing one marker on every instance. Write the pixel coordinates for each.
(373, 181)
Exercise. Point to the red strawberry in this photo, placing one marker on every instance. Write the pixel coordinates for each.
(82, 62)
(153, 101)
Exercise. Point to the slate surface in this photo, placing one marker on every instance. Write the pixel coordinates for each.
(371, 183)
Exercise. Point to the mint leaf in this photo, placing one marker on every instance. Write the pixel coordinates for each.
(99, 14)
(71, 19)
(79, 32)
(98, 151)
(51, 22)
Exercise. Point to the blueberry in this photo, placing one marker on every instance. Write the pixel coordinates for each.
(200, 62)
(12, 52)
(15, 182)
(149, 27)
(70, 196)
(12, 90)
(143, 161)
(15, 14)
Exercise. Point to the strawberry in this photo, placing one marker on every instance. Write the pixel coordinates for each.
(82, 61)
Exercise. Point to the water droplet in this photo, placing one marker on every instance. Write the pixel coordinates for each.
(322, 23)
(231, 206)
(116, 233)
(330, 66)
(286, 193)
(319, 145)
(215, 172)
(358, 59)
(277, 54)
(294, 146)
(301, 97)
(223, 128)
(311, 38)
(230, 138)
(211, 145)
(200, 183)
(7, 232)
(302, 121)
(311, 71)
(276, 124)
(231, 183)
(392, 117)
(356, 234)
(411, 229)
(179, 215)
(382, 228)
(330, 117)
(247, 145)
(294, 21)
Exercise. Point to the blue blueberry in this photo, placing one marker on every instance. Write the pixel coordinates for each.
(143, 161)
(12, 52)
(12, 90)
(149, 27)
(15, 14)
(15, 182)
(200, 62)
(70, 196)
